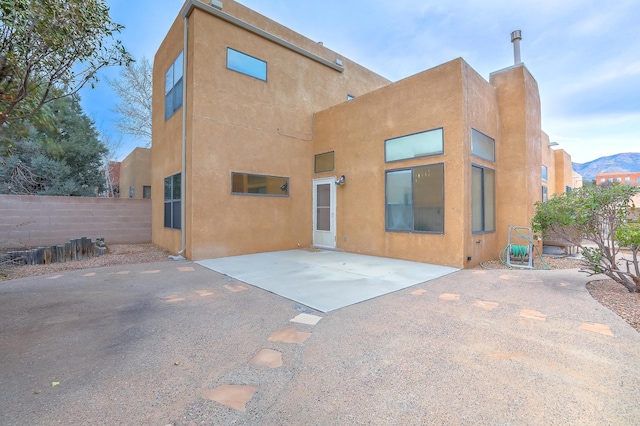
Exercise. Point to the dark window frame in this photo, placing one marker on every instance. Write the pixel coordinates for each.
(173, 95)
(483, 202)
(286, 185)
(386, 201)
(441, 152)
(475, 154)
(174, 204)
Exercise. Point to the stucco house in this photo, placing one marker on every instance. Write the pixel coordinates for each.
(265, 140)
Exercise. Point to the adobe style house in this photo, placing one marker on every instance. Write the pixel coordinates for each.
(135, 174)
(264, 140)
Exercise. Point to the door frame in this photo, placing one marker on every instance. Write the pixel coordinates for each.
(332, 215)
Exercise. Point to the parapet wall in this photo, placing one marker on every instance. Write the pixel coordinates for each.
(37, 221)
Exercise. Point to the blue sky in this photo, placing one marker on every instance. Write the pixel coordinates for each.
(585, 55)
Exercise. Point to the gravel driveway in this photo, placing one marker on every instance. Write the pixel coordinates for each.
(175, 343)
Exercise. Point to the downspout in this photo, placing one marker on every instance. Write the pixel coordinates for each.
(183, 192)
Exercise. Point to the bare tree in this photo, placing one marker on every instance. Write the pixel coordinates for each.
(110, 167)
(134, 88)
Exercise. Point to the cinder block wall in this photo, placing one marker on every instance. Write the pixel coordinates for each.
(33, 221)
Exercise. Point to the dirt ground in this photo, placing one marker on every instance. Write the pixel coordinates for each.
(607, 292)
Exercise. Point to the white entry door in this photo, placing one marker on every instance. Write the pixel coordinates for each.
(324, 213)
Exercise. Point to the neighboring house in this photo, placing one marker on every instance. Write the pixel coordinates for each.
(626, 178)
(135, 174)
(265, 140)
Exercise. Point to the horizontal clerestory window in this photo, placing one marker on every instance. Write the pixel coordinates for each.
(173, 88)
(323, 162)
(415, 199)
(245, 183)
(483, 146)
(172, 201)
(421, 144)
(245, 64)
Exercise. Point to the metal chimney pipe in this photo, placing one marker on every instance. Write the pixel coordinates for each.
(516, 36)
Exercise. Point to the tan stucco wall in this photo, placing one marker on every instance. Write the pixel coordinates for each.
(452, 96)
(135, 170)
(166, 152)
(236, 123)
(563, 170)
(519, 157)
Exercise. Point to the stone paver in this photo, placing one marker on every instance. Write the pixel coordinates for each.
(267, 358)
(289, 335)
(234, 396)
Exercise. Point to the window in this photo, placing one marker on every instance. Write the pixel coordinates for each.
(610, 179)
(415, 199)
(483, 199)
(413, 146)
(545, 194)
(323, 162)
(245, 183)
(638, 179)
(172, 205)
(544, 173)
(618, 179)
(131, 191)
(627, 179)
(173, 88)
(602, 180)
(567, 188)
(245, 64)
(146, 191)
(483, 146)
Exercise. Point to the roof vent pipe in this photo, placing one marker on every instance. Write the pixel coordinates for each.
(516, 36)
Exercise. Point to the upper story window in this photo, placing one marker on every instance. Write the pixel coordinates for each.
(483, 146)
(627, 179)
(245, 64)
(417, 145)
(324, 162)
(618, 179)
(173, 88)
(544, 173)
(602, 180)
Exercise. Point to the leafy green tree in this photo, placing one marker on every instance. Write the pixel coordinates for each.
(597, 220)
(63, 158)
(50, 49)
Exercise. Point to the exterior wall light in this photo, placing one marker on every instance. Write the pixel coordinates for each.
(340, 181)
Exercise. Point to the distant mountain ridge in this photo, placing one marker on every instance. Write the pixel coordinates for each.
(625, 162)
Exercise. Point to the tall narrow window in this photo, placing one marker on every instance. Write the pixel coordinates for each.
(483, 210)
(415, 199)
(172, 201)
(173, 88)
(483, 146)
(245, 64)
(146, 191)
(544, 173)
(545, 193)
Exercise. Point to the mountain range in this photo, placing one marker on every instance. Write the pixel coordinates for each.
(625, 162)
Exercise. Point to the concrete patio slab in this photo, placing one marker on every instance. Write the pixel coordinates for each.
(325, 280)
